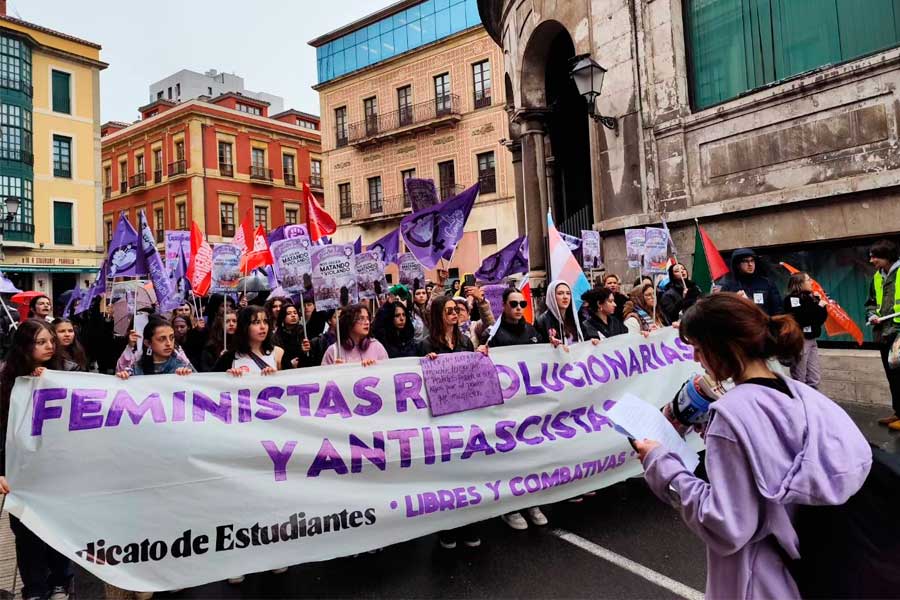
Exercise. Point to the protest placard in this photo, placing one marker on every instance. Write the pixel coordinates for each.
(634, 247)
(334, 276)
(590, 249)
(460, 381)
(226, 269)
(292, 264)
(370, 280)
(412, 275)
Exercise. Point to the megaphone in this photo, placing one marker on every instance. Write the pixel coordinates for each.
(691, 404)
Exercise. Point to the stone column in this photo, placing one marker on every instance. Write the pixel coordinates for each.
(534, 187)
(515, 149)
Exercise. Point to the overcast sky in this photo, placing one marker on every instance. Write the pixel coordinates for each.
(264, 41)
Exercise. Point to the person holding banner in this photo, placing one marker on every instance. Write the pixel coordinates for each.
(221, 340)
(641, 315)
(70, 350)
(289, 336)
(394, 328)
(558, 324)
(44, 571)
(513, 329)
(680, 295)
(255, 351)
(773, 445)
(355, 338)
(160, 357)
(602, 322)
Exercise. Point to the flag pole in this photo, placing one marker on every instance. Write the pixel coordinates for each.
(12, 322)
(337, 337)
(303, 318)
(225, 324)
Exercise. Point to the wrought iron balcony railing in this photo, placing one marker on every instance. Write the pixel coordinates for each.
(425, 113)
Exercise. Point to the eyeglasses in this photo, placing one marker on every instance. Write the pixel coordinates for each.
(518, 303)
(362, 320)
(451, 311)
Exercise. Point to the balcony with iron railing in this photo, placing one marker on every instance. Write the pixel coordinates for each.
(260, 173)
(123, 187)
(290, 179)
(391, 207)
(137, 180)
(315, 181)
(226, 169)
(179, 167)
(374, 129)
(107, 193)
(157, 176)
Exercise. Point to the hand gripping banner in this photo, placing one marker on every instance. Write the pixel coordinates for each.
(163, 482)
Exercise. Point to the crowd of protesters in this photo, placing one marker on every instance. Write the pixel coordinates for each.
(242, 336)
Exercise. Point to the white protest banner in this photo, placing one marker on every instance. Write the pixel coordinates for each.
(334, 276)
(226, 268)
(412, 275)
(370, 278)
(590, 249)
(292, 263)
(174, 240)
(162, 482)
(634, 246)
(656, 250)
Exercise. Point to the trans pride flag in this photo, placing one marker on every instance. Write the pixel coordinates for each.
(564, 266)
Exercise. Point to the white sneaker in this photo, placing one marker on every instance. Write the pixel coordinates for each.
(59, 593)
(515, 520)
(536, 516)
(236, 580)
(278, 571)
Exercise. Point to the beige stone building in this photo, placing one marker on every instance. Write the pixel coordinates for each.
(411, 91)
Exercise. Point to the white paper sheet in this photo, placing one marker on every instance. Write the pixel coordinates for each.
(641, 420)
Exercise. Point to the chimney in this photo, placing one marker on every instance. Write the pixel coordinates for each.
(2, 8)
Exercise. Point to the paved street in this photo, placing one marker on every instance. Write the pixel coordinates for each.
(622, 543)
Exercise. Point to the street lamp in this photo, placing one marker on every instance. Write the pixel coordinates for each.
(588, 77)
(9, 215)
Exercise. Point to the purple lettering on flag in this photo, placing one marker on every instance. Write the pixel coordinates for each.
(459, 382)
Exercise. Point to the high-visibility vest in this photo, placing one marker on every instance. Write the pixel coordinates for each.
(879, 294)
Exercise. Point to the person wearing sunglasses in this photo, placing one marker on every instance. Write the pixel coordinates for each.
(513, 329)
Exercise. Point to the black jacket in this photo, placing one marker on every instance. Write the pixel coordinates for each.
(595, 329)
(807, 312)
(674, 301)
(621, 299)
(427, 347)
(758, 289)
(514, 334)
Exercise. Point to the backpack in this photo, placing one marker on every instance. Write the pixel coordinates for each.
(852, 550)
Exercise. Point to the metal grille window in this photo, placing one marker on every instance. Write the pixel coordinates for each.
(346, 204)
(226, 217)
(447, 178)
(442, 94)
(404, 175)
(481, 78)
(370, 109)
(340, 126)
(488, 237)
(486, 173)
(261, 217)
(376, 197)
(291, 216)
(62, 156)
(404, 105)
(15, 133)
(15, 65)
(181, 215)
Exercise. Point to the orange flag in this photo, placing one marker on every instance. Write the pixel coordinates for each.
(525, 288)
(838, 321)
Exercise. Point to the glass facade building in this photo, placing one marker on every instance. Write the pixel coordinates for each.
(401, 32)
(16, 134)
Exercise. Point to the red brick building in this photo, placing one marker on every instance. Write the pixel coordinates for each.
(209, 160)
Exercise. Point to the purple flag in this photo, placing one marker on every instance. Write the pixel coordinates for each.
(73, 302)
(125, 258)
(6, 286)
(433, 233)
(97, 289)
(387, 247)
(510, 260)
(357, 245)
(421, 192)
(165, 295)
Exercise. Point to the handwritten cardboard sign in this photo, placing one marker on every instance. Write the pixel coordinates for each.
(459, 382)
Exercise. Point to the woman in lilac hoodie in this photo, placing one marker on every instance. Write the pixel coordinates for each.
(772, 444)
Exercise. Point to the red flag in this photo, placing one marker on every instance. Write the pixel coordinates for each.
(199, 272)
(838, 321)
(318, 222)
(260, 255)
(717, 266)
(243, 237)
(525, 289)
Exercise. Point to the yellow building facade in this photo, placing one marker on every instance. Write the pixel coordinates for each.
(50, 157)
